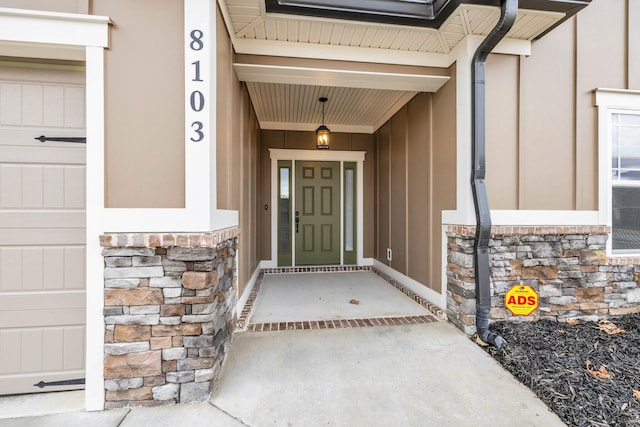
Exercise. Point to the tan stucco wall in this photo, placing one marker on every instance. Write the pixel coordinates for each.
(415, 181)
(238, 142)
(299, 140)
(144, 79)
(541, 121)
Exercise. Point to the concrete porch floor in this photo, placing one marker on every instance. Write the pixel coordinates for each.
(330, 295)
(411, 374)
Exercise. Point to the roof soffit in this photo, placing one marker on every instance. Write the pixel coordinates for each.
(254, 31)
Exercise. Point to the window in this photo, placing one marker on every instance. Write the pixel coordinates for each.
(625, 176)
(619, 168)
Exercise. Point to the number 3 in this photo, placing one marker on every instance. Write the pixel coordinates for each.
(198, 131)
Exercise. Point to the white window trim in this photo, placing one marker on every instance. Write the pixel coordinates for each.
(610, 101)
(320, 156)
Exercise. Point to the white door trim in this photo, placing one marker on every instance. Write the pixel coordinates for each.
(319, 156)
(75, 36)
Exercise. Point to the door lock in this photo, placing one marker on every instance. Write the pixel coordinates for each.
(297, 220)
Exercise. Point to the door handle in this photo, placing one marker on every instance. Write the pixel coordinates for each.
(297, 220)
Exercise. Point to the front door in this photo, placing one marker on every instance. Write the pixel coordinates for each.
(317, 213)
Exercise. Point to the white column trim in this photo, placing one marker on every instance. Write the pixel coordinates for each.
(94, 360)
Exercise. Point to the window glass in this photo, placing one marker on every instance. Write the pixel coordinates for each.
(285, 211)
(348, 210)
(625, 172)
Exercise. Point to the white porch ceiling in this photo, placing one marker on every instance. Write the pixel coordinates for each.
(287, 98)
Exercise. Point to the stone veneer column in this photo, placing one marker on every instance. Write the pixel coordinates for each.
(169, 300)
(567, 266)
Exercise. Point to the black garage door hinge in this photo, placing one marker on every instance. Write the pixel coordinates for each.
(77, 381)
(79, 140)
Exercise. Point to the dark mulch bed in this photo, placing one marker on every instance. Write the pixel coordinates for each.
(585, 375)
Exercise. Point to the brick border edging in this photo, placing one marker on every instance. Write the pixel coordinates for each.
(508, 230)
(164, 240)
(242, 324)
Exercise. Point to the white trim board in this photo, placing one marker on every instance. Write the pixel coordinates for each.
(439, 299)
(339, 78)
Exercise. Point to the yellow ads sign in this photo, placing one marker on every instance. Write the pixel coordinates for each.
(521, 300)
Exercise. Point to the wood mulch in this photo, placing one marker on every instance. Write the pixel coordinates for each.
(586, 372)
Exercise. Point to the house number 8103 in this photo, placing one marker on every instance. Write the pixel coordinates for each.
(197, 98)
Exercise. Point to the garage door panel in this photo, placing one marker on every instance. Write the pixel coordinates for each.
(42, 154)
(32, 186)
(74, 182)
(53, 178)
(42, 229)
(42, 105)
(10, 98)
(41, 219)
(53, 106)
(35, 268)
(31, 319)
(32, 274)
(23, 185)
(32, 105)
(59, 236)
(10, 186)
(74, 271)
(41, 354)
(74, 107)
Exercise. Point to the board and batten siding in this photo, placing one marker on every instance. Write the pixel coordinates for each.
(416, 175)
(541, 119)
(237, 154)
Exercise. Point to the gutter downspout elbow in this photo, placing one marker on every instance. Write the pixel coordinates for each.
(508, 14)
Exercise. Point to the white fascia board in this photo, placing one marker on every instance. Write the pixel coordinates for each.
(312, 127)
(70, 29)
(339, 53)
(339, 78)
(381, 56)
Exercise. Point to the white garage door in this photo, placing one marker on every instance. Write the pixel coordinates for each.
(42, 235)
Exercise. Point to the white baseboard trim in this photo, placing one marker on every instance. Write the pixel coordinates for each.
(367, 262)
(242, 300)
(423, 291)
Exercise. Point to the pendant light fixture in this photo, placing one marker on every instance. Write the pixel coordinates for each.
(322, 133)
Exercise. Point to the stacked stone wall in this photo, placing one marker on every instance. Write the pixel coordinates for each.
(168, 307)
(567, 266)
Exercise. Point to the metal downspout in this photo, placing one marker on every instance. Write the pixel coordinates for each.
(508, 13)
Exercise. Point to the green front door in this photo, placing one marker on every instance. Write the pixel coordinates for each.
(317, 215)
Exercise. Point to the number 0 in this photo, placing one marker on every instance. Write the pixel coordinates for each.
(197, 101)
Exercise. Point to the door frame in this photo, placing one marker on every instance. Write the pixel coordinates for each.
(318, 156)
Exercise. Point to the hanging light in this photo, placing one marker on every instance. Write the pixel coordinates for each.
(322, 133)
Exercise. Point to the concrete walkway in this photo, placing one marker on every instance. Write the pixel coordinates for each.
(427, 374)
